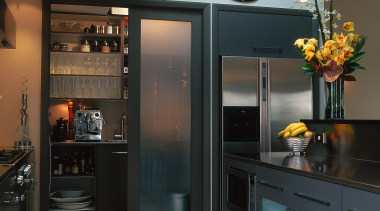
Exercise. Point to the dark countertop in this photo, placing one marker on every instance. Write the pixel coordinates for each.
(90, 142)
(357, 173)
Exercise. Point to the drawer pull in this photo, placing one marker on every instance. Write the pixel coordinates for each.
(267, 49)
(119, 153)
(271, 186)
(301, 195)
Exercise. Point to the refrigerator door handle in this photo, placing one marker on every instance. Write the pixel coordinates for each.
(267, 49)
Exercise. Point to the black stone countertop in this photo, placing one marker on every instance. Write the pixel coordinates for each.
(357, 173)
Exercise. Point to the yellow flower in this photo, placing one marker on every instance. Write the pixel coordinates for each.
(312, 41)
(346, 51)
(330, 45)
(339, 59)
(308, 47)
(340, 40)
(309, 55)
(348, 26)
(352, 38)
(299, 42)
(319, 56)
(326, 53)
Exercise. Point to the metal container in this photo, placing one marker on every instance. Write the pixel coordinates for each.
(63, 47)
(55, 46)
(296, 144)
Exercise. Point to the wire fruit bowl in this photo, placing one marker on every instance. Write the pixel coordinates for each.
(296, 144)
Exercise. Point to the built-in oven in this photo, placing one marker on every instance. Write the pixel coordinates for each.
(239, 190)
(17, 185)
(241, 129)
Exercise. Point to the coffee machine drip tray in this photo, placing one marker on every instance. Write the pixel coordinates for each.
(88, 125)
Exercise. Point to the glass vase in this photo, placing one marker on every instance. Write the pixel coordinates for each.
(334, 99)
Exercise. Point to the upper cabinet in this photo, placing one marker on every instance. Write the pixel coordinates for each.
(261, 34)
(87, 56)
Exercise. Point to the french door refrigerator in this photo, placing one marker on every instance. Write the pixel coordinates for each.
(277, 86)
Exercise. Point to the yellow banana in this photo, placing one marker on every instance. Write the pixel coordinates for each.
(287, 134)
(296, 126)
(298, 131)
(287, 129)
(281, 134)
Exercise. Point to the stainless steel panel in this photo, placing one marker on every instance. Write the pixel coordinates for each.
(290, 96)
(264, 111)
(240, 81)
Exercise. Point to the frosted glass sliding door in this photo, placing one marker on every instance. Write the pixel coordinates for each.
(165, 110)
(165, 117)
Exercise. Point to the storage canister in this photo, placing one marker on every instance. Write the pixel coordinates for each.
(109, 28)
(85, 46)
(105, 47)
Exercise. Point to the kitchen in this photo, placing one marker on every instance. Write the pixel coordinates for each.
(28, 16)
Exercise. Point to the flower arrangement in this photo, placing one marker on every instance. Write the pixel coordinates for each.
(338, 54)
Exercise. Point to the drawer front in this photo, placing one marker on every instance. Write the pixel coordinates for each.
(315, 195)
(260, 34)
(358, 200)
(273, 185)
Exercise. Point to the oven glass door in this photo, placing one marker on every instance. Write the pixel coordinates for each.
(240, 190)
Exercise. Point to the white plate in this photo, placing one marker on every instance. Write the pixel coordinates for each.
(55, 197)
(72, 206)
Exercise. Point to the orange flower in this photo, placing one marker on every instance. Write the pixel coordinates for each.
(348, 26)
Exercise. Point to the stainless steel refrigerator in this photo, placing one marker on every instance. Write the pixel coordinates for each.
(276, 86)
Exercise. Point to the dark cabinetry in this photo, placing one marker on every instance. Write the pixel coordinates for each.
(261, 34)
(358, 200)
(112, 177)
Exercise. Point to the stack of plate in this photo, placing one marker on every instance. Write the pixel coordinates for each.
(71, 199)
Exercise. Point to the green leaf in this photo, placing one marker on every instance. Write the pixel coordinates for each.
(361, 42)
(349, 78)
(356, 57)
(309, 72)
(301, 136)
(355, 66)
(307, 66)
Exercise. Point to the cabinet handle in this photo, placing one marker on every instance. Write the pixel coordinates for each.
(301, 195)
(119, 153)
(267, 48)
(271, 186)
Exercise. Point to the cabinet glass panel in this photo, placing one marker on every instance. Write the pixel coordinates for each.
(68, 63)
(84, 87)
(165, 132)
(268, 205)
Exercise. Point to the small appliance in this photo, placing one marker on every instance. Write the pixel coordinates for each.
(88, 125)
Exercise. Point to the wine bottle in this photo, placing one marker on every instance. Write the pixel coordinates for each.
(74, 164)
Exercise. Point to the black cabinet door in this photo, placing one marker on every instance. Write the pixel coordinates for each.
(112, 177)
(261, 34)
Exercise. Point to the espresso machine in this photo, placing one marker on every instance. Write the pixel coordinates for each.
(88, 125)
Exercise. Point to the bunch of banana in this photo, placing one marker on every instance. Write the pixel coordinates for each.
(295, 129)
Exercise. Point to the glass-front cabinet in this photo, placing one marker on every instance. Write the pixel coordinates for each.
(88, 108)
(87, 56)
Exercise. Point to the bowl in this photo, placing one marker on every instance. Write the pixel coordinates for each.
(296, 144)
(70, 193)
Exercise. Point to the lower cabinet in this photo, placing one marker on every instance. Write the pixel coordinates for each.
(277, 190)
(288, 191)
(358, 200)
(112, 177)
